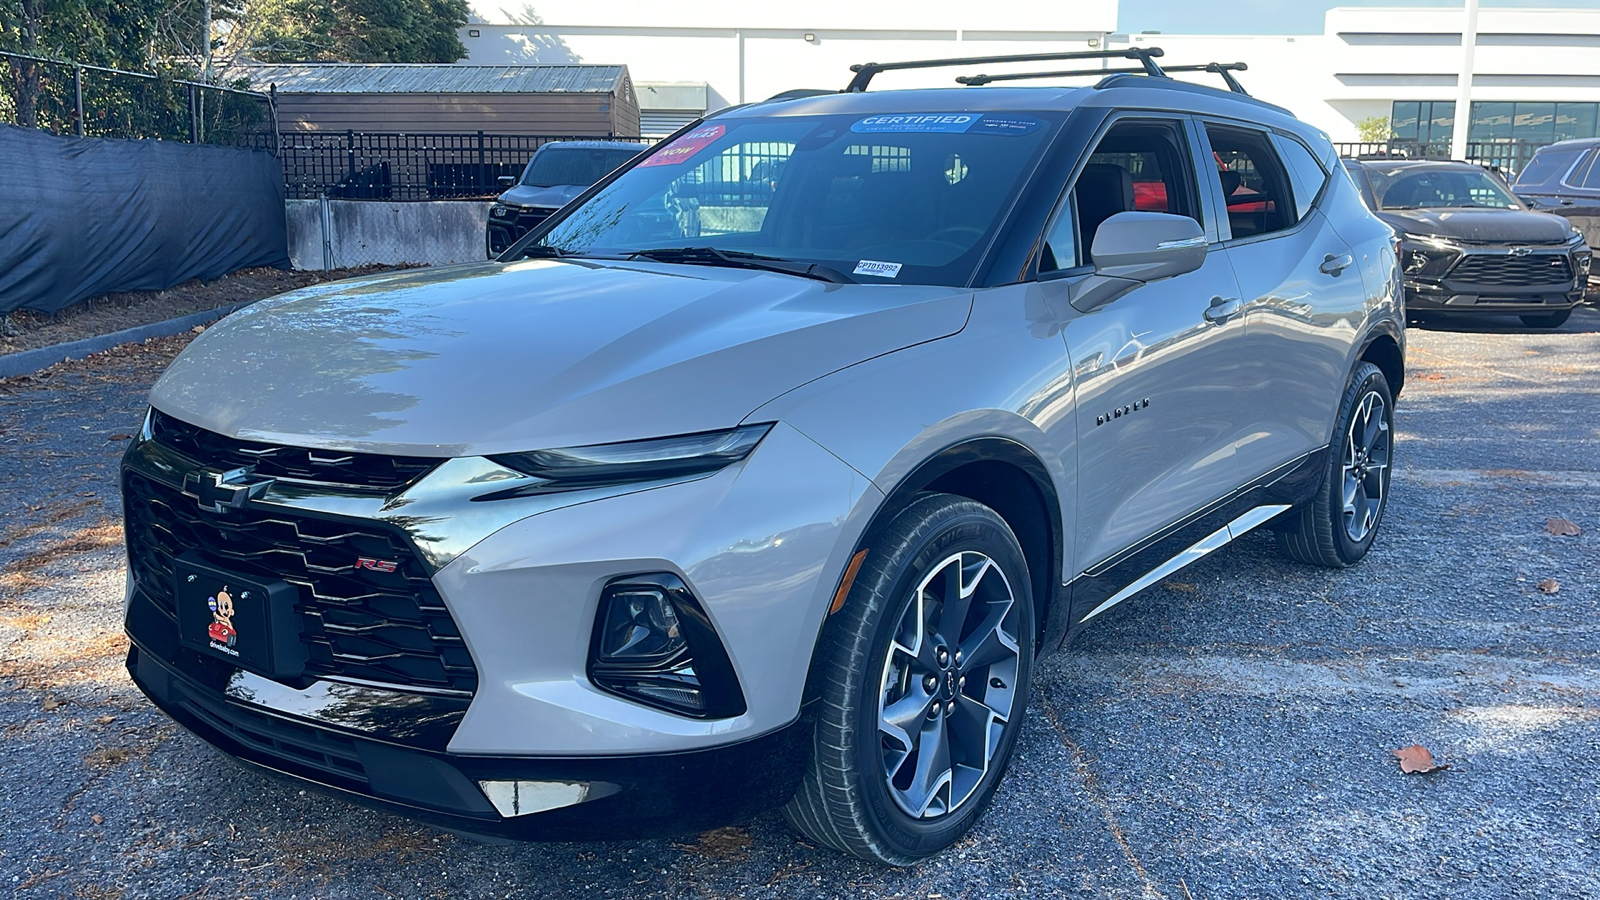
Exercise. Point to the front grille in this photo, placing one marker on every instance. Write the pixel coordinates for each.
(388, 627)
(1511, 271)
(361, 471)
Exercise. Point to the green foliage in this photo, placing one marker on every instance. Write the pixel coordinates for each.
(359, 30)
(1374, 129)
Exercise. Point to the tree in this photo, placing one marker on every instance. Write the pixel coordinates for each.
(116, 33)
(358, 30)
(1375, 130)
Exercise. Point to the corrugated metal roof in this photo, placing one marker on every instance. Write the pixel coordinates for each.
(423, 78)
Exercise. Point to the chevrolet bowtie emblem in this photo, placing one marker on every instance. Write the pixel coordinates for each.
(221, 491)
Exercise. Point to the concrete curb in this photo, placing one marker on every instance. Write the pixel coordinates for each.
(28, 361)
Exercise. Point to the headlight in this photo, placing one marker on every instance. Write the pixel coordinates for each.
(606, 464)
(499, 212)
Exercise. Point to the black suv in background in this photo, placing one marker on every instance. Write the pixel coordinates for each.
(558, 171)
(1469, 247)
(1564, 179)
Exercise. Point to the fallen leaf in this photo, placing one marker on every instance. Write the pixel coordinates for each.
(1549, 586)
(1416, 760)
(50, 703)
(105, 720)
(1182, 587)
(98, 819)
(129, 437)
(1562, 527)
(198, 329)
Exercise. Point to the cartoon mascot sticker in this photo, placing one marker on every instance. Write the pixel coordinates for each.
(221, 630)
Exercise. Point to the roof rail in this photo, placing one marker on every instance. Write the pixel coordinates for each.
(1223, 69)
(1145, 56)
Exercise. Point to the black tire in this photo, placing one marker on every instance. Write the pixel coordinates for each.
(1547, 320)
(1318, 532)
(849, 798)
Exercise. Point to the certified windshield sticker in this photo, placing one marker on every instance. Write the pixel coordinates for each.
(684, 148)
(878, 269)
(916, 123)
(946, 123)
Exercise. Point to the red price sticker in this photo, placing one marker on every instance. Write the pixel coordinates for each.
(682, 149)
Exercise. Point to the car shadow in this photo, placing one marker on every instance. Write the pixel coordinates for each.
(1585, 320)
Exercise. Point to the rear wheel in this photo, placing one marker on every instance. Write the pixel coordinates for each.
(925, 674)
(1547, 320)
(1336, 527)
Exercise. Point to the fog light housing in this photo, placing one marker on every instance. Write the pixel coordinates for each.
(523, 798)
(653, 643)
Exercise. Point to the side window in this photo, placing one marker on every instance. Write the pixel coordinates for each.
(1305, 173)
(1139, 165)
(1591, 178)
(1253, 181)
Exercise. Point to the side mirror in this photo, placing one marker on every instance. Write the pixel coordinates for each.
(1132, 248)
(507, 180)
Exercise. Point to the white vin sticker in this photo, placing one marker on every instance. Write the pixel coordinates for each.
(879, 269)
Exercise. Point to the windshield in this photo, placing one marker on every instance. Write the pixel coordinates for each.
(573, 165)
(1440, 188)
(880, 199)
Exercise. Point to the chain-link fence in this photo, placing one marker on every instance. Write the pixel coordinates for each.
(70, 98)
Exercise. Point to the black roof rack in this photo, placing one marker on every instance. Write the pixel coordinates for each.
(1145, 56)
(1226, 70)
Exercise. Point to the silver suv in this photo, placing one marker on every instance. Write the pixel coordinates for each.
(762, 474)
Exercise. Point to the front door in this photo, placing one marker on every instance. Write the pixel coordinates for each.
(1157, 370)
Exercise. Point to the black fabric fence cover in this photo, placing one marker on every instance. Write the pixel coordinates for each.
(83, 216)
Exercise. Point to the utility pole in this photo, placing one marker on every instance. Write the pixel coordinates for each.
(205, 43)
(1463, 120)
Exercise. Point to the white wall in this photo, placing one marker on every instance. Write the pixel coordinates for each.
(1366, 58)
(750, 51)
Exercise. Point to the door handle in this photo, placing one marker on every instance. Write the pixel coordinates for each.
(1221, 310)
(1333, 265)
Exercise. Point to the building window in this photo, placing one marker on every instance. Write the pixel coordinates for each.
(1532, 122)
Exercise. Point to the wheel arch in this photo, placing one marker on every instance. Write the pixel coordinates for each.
(1005, 476)
(1385, 350)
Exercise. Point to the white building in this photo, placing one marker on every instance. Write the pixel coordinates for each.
(1536, 72)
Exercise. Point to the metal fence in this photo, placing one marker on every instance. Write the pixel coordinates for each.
(356, 165)
(64, 97)
(1508, 156)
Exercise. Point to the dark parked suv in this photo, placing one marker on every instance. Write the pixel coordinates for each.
(558, 171)
(761, 474)
(1564, 178)
(1469, 247)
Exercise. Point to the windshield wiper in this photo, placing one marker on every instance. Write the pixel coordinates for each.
(740, 260)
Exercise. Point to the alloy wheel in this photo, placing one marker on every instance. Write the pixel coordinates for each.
(949, 685)
(1366, 466)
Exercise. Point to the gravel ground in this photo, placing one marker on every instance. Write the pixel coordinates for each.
(1224, 735)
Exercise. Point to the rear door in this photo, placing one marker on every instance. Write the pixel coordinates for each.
(1303, 295)
(1159, 369)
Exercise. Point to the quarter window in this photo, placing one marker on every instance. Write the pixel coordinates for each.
(1306, 174)
(1254, 183)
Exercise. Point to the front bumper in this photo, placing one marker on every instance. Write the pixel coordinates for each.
(517, 585)
(628, 796)
(1495, 279)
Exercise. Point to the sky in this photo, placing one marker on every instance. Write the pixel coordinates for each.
(1273, 16)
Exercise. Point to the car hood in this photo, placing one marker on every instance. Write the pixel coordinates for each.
(504, 357)
(552, 197)
(1509, 225)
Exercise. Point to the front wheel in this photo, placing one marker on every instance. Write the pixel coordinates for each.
(1547, 320)
(924, 677)
(1337, 525)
